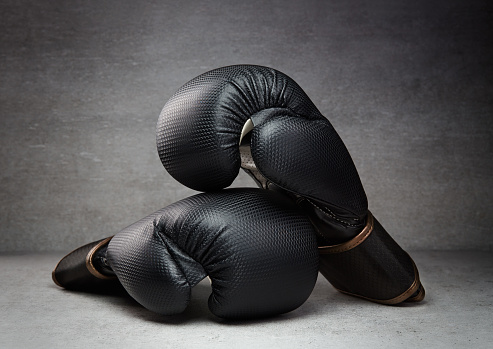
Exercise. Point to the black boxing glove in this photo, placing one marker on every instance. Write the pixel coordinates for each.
(258, 249)
(259, 119)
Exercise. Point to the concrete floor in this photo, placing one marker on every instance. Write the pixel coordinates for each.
(457, 313)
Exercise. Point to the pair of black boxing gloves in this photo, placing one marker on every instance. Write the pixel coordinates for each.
(262, 248)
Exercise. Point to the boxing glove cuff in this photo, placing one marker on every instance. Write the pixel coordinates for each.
(83, 268)
(372, 266)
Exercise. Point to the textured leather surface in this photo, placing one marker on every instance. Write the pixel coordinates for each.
(292, 145)
(199, 128)
(259, 251)
(359, 271)
(315, 164)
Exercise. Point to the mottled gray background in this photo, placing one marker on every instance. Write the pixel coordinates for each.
(408, 85)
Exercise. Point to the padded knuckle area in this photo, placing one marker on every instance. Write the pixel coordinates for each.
(199, 128)
(258, 249)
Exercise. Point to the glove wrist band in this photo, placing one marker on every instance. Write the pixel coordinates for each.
(90, 260)
(372, 266)
(78, 269)
(349, 245)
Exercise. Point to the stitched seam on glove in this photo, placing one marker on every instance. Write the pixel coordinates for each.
(330, 214)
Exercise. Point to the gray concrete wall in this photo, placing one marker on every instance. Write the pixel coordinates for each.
(408, 84)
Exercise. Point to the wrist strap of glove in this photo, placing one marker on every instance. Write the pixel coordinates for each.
(372, 266)
(82, 268)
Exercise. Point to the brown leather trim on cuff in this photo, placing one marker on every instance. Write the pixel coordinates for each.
(372, 266)
(349, 245)
(419, 297)
(77, 270)
(404, 297)
(92, 269)
(53, 273)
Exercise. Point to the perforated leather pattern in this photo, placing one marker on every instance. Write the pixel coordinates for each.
(309, 158)
(293, 146)
(199, 128)
(259, 251)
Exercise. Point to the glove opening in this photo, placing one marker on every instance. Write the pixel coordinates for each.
(247, 128)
